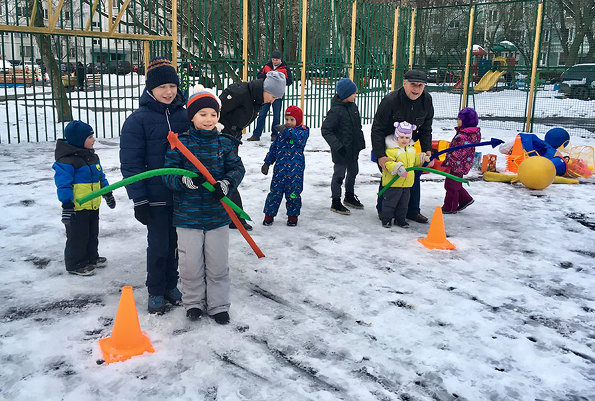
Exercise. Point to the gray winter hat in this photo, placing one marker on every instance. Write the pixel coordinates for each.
(274, 83)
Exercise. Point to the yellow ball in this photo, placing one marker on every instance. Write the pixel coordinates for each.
(537, 172)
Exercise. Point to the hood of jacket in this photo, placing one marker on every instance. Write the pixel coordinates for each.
(63, 148)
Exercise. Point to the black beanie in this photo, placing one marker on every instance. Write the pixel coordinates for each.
(160, 72)
(201, 100)
(76, 133)
(276, 54)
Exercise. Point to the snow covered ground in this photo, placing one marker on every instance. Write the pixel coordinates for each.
(340, 308)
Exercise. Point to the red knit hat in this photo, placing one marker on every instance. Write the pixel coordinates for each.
(296, 113)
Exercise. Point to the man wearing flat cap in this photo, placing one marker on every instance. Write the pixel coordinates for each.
(413, 104)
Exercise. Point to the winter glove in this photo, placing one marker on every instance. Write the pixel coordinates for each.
(142, 212)
(399, 168)
(110, 200)
(193, 182)
(68, 213)
(279, 128)
(265, 168)
(221, 189)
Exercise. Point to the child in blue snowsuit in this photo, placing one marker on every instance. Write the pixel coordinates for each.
(287, 153)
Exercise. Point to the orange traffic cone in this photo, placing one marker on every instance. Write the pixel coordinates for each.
(127, 339)
(516, 157)
(436, 238)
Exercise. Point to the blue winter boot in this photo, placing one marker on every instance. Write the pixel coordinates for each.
(173, 296)
(156, 304)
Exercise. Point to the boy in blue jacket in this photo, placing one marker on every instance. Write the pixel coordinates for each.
(143, 143)
(287, 153)
(78, 172)
(200, 219)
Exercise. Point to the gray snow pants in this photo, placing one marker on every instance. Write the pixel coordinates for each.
(204, 268)
(394, 204)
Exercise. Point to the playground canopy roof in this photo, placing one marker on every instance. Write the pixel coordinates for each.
(479, 51)
(504, 46)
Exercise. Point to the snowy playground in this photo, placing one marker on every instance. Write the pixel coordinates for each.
(339, 309)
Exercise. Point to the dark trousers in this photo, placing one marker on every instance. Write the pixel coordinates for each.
(456, 195)
(162, 258)
(82, 239)
(394, 204)
(414, 196)
(262, 115)
(346, 172)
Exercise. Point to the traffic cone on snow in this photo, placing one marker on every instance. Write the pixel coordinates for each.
(436, 238)
(516, 156)
(127, 340)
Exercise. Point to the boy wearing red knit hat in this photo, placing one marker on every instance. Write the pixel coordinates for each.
(287, 153)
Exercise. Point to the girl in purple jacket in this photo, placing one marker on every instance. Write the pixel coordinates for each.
(459, 161)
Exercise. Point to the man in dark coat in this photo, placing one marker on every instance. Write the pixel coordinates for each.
(276, 64)
(240, 103)
(80, 75)
(413, 104)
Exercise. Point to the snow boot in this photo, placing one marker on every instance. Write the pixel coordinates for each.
(156, 304)
(352, 200)
(221, 317)
(194, 313)
(99, 262)
(386, 224)
(268, 220)
(292, 221)
(338, 207)
(173, 296)
(402, 223)
(83, 271)
(463, 207)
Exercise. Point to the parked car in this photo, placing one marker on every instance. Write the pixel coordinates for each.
(141, 69)
(120, 67)
(97, 68)
(578, 82)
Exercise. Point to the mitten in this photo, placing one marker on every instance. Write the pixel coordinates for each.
(221, 189)
(265, 168)
(424, 158)
(399, 168)
(279, 128)
(142, 212)
(193, 182)
(68, 213)
(110, 200)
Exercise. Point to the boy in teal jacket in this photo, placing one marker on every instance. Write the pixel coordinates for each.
(78, 172)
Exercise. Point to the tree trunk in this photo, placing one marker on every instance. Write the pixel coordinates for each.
(61, 102)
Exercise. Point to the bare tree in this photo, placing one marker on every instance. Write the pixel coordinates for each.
(59, 94)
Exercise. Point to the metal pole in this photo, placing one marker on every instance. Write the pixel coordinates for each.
(147, 51)
(534, 66)
(174, 33)
(245, 39)
(352, 57)
(468, 56)
(303, 72)
(412, 37)
(395, 37)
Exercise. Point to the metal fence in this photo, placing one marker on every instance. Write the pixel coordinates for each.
(223, 41)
